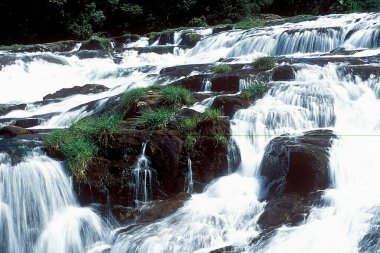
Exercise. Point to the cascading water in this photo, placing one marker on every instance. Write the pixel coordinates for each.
(189, 178)
(142, 176)
(39, 213)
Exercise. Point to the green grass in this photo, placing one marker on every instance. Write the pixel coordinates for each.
(175, 96)
(133, 95)
(212, 115)
(188, 124)
(104, 42)
(256, 90)
(264, 63)
(298, 17)
(2, 108)
(222, 68)
(81, 141)
(155, 119)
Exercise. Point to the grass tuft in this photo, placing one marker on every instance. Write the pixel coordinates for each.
(222, 68)
(256, 90)
(155, 119)
(264, 63)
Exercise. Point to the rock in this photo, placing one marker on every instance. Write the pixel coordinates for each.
(363, 71)
(97, 43)
(161, 208)
(31, 49)
(84, 90)
(192, 83)
(28, 122)
(297, 165)
(283, 73)
(222, 29)
(290, 210)
(5, 109)
(225, 82)
(12, 131)
(190, 39)
(61, 46)
(230, 104)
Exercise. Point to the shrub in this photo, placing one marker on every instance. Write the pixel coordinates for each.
(254, 91)
(155, 119)
(131, 96)
(188, 124)
(264, 63)
(222, 68)
(198, 22)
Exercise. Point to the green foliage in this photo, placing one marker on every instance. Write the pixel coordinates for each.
(264, 63)
(254, 91)
(10, 47)
(79, 154)
(155, 119)
(356, 5)
(298, 17)
(188, 124)
(175, 96)
(132, 95)
(249, 24)
(81, 141)
(212, 115)
(190, 140)
(219, 138)
(222, 68)
(198, 22)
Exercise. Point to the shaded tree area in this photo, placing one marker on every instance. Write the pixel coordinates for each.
(44, 20)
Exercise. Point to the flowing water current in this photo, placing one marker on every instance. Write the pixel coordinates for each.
(38, 208)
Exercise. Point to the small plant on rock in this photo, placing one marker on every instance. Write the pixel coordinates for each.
(253, 91)
(222, 68)
(264, 63)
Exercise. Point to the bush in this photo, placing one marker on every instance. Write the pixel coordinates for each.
(222, 68)
(254, 91)
(155, 119)
(198, 22)
(219, 139)
(264, 63)
(131, 96)
(80, 142)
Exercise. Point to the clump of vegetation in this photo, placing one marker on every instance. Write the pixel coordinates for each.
(155, 119)
(212, 115)
(298, 17)
(175, 96)
(198, 22)
(10, 47)
(98, 42)
(131, 96)
(2, 108)
(256, 90)
(222, 68)
(264, 63)
(219, 138)
(81, 141)
(249, 24)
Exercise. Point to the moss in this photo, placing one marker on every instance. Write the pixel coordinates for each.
(298, 18)
(264, 63)
(10, 47)
(105, 43)
(250, 24)
(254, 91)
(222, 68)
(131, 96)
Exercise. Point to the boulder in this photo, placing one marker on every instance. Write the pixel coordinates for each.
(84, 90)
(283, 73)
(28, 122)
(5, 108)
(190, 39)
(222, 29)
(296, 164)
(13, 131)
(97, 43)
(161, 208)
(225, 82)
(230, 104)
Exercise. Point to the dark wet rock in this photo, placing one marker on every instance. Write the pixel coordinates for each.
(362, 71)
(190, 39)
(18, 147)
(371, 241)
(5, 108)
(84, 90)
(161, 208)
(163, 38)
(343, 51)
(161, 49)
(222, 29)
(225, 82)
(28, 122)
(96, 43)
(296, 164)
(51, 59)
(230, 104)
(283, 73)
(31, 49)
(61, 46)
(125, 39)
(12, 131)
(192, 83)
(290, 209)
(227, 249)
(88, 54)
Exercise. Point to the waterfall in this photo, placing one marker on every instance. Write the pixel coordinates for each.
(142, 177)
(189, 177)
(39, 211)
(33, 195)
